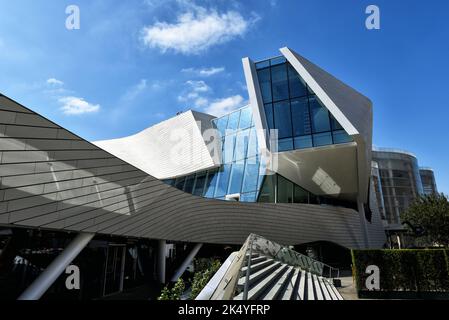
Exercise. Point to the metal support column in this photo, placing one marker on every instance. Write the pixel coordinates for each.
(161, 253)
(56, 267)
(178, 273)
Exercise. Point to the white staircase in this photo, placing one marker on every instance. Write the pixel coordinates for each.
(273, 280)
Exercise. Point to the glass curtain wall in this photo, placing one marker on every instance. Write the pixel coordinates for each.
(293, 109)
(278, 189)
(239, 176)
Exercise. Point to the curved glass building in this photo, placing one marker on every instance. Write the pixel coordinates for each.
(400, 181)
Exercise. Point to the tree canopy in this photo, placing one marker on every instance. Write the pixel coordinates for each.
(431, 214)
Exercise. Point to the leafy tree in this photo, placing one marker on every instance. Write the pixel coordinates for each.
(431, 214)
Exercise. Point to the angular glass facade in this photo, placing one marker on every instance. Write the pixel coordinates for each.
(240, 175)
(294, 110)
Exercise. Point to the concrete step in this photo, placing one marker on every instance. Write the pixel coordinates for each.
(332, 287)
(256, 290)
(317, 288)
(253, 255)
(310, 292)
(257, 266)
(254, 277)
(301, 293)
(329, 290)
(281, 283)
(324, 289)
(258, 259)
(291, 286)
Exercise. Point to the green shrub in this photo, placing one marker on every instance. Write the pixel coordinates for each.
(414, 270)
(205, 268)
(175, 293)
(202, 277)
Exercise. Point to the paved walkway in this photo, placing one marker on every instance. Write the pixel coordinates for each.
(347, 289)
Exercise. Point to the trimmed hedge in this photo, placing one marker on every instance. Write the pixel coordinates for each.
(406, 270)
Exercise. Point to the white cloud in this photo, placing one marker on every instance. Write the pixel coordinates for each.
(77, 106)
(222, 106)
(136, 90)
(201, 102)
(204, 72)
(55, 82)
(198, 86)
(196, 30)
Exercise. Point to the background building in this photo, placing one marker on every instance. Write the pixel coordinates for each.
(428, 180)
(398, 181)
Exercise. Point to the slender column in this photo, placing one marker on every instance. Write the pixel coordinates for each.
(161, 252)
(186, 262)
(56, 267)
(363, 225)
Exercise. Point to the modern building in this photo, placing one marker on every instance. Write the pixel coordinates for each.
(398, 181)
(428, 180)
(293, 166)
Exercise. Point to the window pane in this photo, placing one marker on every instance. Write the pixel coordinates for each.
(262, 171)
(300, 195)
(335, 124)
(222, 124)
(269, 115)
(180, 182)
(265, 84)
(228, 148)
(297, 86)
(263, 64)
(211, 182)
(251, 175)
(199, 184)
(278, 60)
(303, 142)
(285, 190)
(223, 180)
(233, 122)
(235, 184)
(248, 197)
(241, 145)
(267, 190)
(245, 118)
(252, 143)
(170, 182)
(320, 116)
(322, 139)
(282, 119)
(301, 117)
(279, 82)
(341, 136)
(188, 187)
(285, 144)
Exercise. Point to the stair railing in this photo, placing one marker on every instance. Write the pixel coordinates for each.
(286, 255)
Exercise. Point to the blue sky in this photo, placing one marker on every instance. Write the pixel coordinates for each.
(134, 63)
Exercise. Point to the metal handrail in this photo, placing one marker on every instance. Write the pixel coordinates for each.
(248, 272)
(307, 263)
